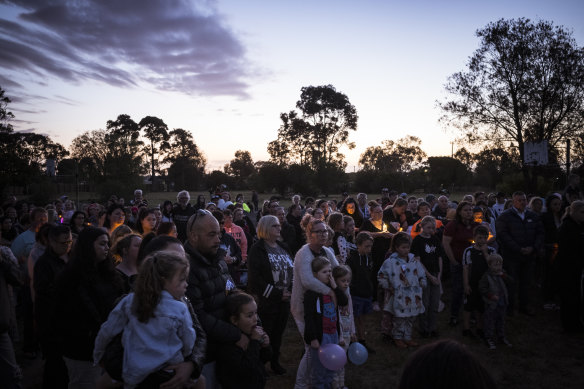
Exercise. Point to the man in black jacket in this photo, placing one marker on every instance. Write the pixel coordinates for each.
(209, 283)
(520, 235)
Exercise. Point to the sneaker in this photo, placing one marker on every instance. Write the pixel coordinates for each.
(505, 341)
(376, 307)
(491, 344)
(549, 307)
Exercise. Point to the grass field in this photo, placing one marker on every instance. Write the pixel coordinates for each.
(542, 356)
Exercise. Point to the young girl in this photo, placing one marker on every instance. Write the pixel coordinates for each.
(236, 367)
(157, 326)
(321, 320)
(342, 276)
(405, 278)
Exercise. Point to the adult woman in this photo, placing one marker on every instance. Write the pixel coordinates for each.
(458, 235)
(200, 204)
(536, 204)
(294, 217)
(570, 266)
(552, 219)
(318, 213)
(114, 217)
(77, 222)
(126, 252)
(86, 291)
(316, 236)
(351, 208)
(166, 211)
(146, 221)
(324, 206)
(395, 216)
(270, 265)
(381, 242)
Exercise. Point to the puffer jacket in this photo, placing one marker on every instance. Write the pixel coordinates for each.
(209, 283)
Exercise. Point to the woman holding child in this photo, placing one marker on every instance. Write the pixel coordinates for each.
(304, 279)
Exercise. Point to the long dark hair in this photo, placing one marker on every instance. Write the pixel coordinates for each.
(84, 264)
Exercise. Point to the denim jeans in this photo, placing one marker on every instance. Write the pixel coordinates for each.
(320, 376)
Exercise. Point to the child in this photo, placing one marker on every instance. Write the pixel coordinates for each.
(342, 277)
(494, 293)
(157, 326)
(428, 248)
(321, 320)
(361, 265)
(405, 278)
(474, 265)
(236, 367)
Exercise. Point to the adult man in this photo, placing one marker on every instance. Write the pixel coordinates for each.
(572, 191)
(46, 270)
(287, 231)
(520, 235)
(441, 209)
(209, 283)
(181, 213)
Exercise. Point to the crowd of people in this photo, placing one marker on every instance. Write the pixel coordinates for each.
(199, 295)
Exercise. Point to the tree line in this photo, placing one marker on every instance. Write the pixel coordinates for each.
(525, 83)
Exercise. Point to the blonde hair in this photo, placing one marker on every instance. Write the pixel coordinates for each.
(264, 225)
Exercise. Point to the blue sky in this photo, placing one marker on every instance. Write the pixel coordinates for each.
(225, 70)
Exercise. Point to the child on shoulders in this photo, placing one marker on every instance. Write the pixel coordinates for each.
(405, 277)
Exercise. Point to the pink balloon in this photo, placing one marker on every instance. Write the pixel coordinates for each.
(332, 356)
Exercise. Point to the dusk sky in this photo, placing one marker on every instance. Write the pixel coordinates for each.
(225, 70)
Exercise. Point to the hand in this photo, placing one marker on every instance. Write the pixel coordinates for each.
(314, 344)
(257, 333)
(353, 338)
(434, 280)
(495, 297)
(286, 295)
(467, 289)
(333, 296)
(182, 374)
(332, 282)
(342, 343)
(243, 342)
(265, 340)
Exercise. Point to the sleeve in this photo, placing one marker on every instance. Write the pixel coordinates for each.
(308, 280)
(342, 298)
(343, 250)
(186, 332)
(115, 324)
(353, 330)
(484, 286)
(383, 275)
(467, 257)
(10, 268)
(43, 289)
(310, 316)
(503, 227)
(422, 279)
(216, 329)
(258, 284)
(416, 247)
(539, 234)
(199, 350)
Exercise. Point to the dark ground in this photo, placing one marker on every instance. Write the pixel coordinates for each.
(542, 356)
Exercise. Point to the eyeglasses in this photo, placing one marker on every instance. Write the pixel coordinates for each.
(193, 219)
(320, 232)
